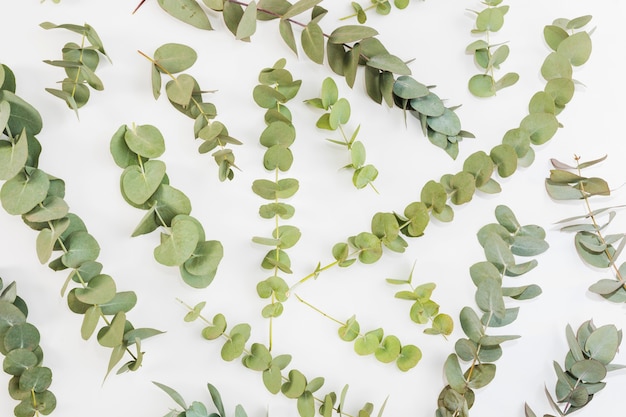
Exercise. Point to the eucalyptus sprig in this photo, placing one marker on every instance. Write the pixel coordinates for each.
(144, 184)
(80, 63)
(479, 169)
(184, 93)
(23, 357)
(591, 351)
(593, 245)
(489, 56)
(424, 309)
(38, 198)
(501, 241)
(198, 409)
(276, 87)
(346, 48)
(385, 348)
(293, 384)
(338, 114)
(382, 7)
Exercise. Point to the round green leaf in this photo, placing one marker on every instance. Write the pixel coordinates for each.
(350, 330)
(81, 247)
(179, 244)
(482, 85)
(448, 123)
(490, 19)
(588, 370)
(21, 336)
(19, 360)
(409, 357)
(428, 105)
(368, 343)
(576, 48)
(541, 127)
(295, 385)
(100, 289)
(37, 379)
(23, 192)
(13, 156)
(145, 140)
(389, 349)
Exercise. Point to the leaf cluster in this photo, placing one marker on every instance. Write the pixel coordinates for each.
(345, 48)
(185, 95)
(591, 351)
(424, 309)
(80, 63)
(23, 357)
(276, 378)
(594, 247)
(144, 184)
(382, 7)
(479, 168)
(198, 409)
(276, 87)
(488, 56)
(501, 241)
(38, 198)
(338, 114)
(385, 348)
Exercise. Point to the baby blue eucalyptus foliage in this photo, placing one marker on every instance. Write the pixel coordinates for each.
(198, 409)
(80, 63)
(185, 95)
(385, 348)
(23, 357)
(595, 246)
(502, 242)
(338, 114)
(292, 383)
(570, 47)
(144, 184)
(591, 351)
(489, 56)
(38, 198)
(424, 310)
(382, 7)
(345, 49)
(276, 87)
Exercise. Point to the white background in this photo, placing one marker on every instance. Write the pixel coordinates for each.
(328, 207)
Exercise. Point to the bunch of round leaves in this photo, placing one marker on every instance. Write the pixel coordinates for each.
(385, 348)
(345, 49)
(595, 247)
(23, 357)
(337, 114)
(276, 87)
(487, 56)
(501, 241)
(80, 63)
(292, 384)
(424, 309)
(38, 198)
(144, 184)
(591, 351)
(382, 7)
(184, 93)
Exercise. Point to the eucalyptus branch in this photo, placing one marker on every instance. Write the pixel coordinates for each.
(80, 63)
(591, 351)
(424, 309)
(38, 198)
(346, 48)
(338, 114)
(501, 242)
(23, 357)
(292, 384)
(385, 348)
(276, 87)
(198, 409)
(185, 95)
(144, 184)
(592, 245)
(489, 20)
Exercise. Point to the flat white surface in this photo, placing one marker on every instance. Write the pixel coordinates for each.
(328, 207)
